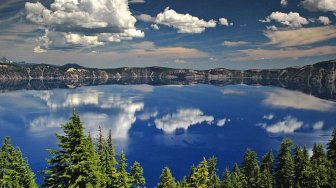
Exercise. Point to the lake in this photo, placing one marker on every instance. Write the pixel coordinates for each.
(173, 125)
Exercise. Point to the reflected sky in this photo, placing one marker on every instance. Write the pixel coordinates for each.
(169, 125)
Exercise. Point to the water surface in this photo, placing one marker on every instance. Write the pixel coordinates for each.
(169, 125)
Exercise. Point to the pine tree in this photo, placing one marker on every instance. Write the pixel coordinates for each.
(200, 177)
(111, 162)
(166, 179)
(227, 182)
(137, 177)
(250, 167)
(320, 166)
(284, 172)
(301, 166)
(238, 179)
(14, 169)
(123, 176)
(212, 169)
(265, 179)
(331, 149)
(76, 164)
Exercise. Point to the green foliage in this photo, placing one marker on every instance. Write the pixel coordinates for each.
(123, 180)
(212, 169)
(284, 172)
(200, 177)
(166, 179)
(227, 182)
(250, 168)
(302, 168)
(137, 177)
(320, 166)
(76, 164)
(14, 169)
(331, 149)
(265, 178)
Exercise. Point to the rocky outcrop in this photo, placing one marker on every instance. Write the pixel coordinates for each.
(318, 79)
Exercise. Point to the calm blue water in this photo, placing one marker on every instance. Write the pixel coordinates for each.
(169, 125)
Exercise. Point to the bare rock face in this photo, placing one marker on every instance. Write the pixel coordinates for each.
(317, 78)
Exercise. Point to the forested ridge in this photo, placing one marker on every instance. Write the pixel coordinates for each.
(83, 161)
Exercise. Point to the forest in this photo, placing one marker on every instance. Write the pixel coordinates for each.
(82, 161)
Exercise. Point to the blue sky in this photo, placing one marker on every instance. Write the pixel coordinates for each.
(199, 34)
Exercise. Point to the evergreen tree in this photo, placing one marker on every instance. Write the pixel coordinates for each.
(266, 179)
(137, 177)
(301, 166)
(76, 164)
(14, 169)
(227, 182)
(111, 171)
(284, 172)
(238, 179)
(320, 166)
(250, 167)
(166, 179)
(212, 169)
(200, 177)
(331, 149)
(331, 153)
(123, 177)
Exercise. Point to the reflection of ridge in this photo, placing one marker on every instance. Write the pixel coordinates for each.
(324, 91)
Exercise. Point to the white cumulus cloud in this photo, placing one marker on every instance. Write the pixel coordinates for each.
(288, 125)
(184, 23)
(324, 20)
(320, 5)
(182, 119)
(292, 19)
(87, 23)
(284, 2)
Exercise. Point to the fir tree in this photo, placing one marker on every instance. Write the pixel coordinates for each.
(76, 164)
(301, 166)
(166, 179)
(320, 166)
(227, 182)
(137, 177)
(200, 177)
(331, 149)
(250, 167)
(284, 173)
(238, 179)
(265, 179)
(123, 176)
(14, 169)
(212, 169)
(111, 171)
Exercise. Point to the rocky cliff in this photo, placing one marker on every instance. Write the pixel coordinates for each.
(318, 78)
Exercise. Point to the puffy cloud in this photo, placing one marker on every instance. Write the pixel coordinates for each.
(86, 23)
(224, 21)
(284, 2)
(269, 116)
(288, 125)
(318, 125)
(155, 26)
(148, 115)
(320, 5)
(302, 36)
(234, 43)
(184, 23)
(324, 20)
(182, 119)
(292, 19)
(146, 18)
(221, 122)
(297, 100)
